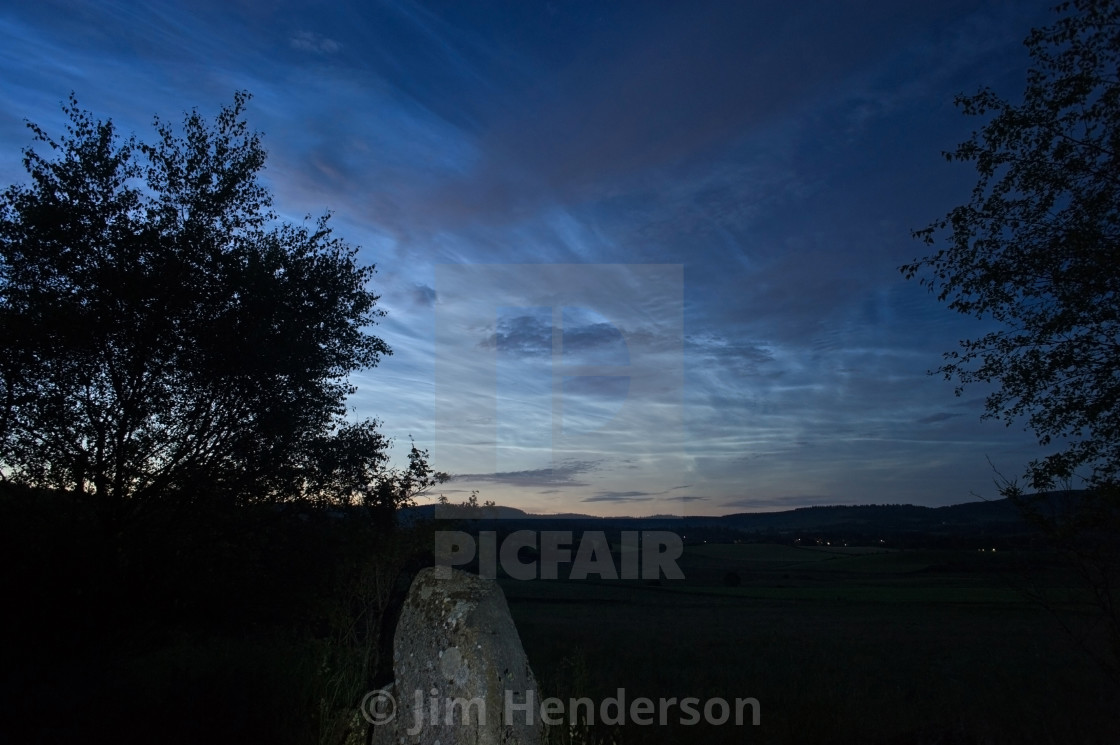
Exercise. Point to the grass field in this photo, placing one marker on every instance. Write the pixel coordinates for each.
(859, 645)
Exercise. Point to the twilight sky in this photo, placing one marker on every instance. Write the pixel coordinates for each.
(638, 257)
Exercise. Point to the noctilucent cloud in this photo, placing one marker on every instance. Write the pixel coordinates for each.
(639, 258)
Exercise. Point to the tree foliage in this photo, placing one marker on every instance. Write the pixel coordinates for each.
(166, 339)
(1037, 248)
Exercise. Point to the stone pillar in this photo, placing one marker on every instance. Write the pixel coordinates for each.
(456, 647)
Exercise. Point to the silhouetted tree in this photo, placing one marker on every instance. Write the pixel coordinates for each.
(166, 339)
(1037, 247)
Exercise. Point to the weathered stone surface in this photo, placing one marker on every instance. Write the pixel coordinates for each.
(456, 643)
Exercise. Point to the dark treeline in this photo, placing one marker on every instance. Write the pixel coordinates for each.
(197, 543)
(253, 624)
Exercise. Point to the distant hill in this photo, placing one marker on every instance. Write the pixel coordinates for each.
(497, 512)
(996, 520)
(883, 516)
(901, 515)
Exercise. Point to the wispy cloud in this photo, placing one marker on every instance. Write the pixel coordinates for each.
(643, 496)
(620, 496)
(563, 474)
(941, 416)
(309, 41)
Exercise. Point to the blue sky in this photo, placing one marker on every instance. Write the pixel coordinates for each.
(638, 257)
